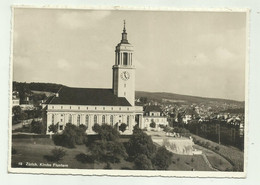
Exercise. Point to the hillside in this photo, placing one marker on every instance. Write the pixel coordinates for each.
(183, 98)
(159, 96)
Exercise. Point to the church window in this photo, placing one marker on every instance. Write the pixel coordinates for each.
(95, 108)
(52, 107)
(61, 127)
(127, 120)
(103, 119)
(52, 119)
(61, 120)
(78, 107)
(119, 108)
(103, 108)
(95, 119)
(111, 119)
(127, 108)
(70, 107)
(78, 120)
(124, 85)
(87, 108)
(125, 58)
(111, 108)
(87, 120)
(70, 118)
(61, 107)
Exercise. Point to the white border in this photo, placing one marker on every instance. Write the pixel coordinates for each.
(140, 173)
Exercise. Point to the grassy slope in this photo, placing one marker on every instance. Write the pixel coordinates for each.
(231, 154)
(218, 162)
(33, 150)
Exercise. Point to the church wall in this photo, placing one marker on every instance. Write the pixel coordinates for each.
(59, 116)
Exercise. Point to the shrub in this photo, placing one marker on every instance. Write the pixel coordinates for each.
(143, 163)
(58, 153)
(38, 127)
(122, 127)
(162, 159)
(108, 166)
(84, 158)
(153, 124)
(71, 136)
(217, 148)
(53, 128)
(167, 129)
(207, 144)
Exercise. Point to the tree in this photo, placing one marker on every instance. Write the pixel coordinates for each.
(108, 151)
(143, 163)
(143, 100)
(71, 136)
(108, 148)
(152, 124)
(122, 127)
(106, 132)
(53, 128)
(16, 110)
(38, 127)
(140, 143)
(162, 159)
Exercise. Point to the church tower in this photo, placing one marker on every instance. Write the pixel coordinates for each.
(124, 71)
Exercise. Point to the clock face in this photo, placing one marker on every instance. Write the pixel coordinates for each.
(125, 75)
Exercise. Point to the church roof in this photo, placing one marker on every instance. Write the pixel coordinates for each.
(87, 96)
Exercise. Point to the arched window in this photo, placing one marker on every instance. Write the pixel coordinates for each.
(78, 120)
(52, 119)
(125, 59)
(70, 118)
(95, 119)
(87, 120)
(111, 119)
(103, 119)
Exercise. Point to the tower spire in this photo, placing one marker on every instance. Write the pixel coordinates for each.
(124, 30)
(124, 35)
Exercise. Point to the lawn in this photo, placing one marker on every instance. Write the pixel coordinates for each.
(233, 155)
(33, 150)
(188, 163)
(217, 161)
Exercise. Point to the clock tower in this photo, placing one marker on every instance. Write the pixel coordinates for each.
(124, 71)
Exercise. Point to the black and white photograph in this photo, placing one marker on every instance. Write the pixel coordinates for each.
(121, 91)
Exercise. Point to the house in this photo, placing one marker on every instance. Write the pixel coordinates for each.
(153, 114)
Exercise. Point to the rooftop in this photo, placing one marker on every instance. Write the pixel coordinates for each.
(152, 108)
(87, 96)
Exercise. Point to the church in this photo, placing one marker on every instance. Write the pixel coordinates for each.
(89, 106)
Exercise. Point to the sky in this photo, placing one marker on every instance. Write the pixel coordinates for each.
(190, 53)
